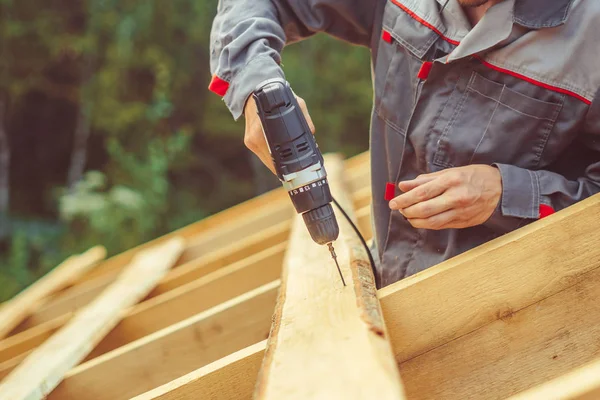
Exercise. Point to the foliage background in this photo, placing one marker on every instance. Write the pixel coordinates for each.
(109, 136)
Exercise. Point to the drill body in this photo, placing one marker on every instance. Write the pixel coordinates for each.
(297, 158)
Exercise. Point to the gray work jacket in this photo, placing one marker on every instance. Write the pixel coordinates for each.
(518, 91)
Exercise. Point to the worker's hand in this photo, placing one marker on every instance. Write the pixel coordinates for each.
(452, 198)
(254, 139)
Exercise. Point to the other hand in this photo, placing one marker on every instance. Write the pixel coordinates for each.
(452, 198)
(254, 139)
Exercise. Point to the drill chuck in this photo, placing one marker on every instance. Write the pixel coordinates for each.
(321, 224)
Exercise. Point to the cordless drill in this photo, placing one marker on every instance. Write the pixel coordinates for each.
(297, 159)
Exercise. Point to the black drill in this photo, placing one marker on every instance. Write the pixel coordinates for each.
(297, 159)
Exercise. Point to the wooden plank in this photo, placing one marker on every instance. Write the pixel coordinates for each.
(17, 309)
(168, 305)
(191, 270)
(39, 374)
(580, 384)
(230, 378)
(496, 279)
(328, 341)
(518, 351)
(174, 351)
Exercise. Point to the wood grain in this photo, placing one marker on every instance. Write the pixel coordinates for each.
(527, 348)
(580, 384)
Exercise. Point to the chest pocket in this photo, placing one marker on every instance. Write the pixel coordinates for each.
(398, 63)
(491, 123)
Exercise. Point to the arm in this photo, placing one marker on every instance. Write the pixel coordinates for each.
(248, 36)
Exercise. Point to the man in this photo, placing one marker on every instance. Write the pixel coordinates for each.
(485, 117)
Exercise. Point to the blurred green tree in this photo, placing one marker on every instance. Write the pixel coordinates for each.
(114, 138)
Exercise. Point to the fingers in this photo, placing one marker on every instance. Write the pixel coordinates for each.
(304, 109)
(421, 193)
(254, 138)
(428, 208)
(445, 220)
(407, 186)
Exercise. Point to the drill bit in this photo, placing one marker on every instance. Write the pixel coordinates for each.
(334, 256)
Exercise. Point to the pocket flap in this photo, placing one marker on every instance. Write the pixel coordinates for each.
(407, 28)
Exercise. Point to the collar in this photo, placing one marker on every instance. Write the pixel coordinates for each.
(537, 14)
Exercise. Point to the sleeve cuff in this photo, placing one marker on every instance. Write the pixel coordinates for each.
(520, 201)
(236, 92)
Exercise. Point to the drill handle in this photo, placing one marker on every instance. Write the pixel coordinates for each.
(291, 143)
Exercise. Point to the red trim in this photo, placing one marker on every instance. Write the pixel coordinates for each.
(386, 36)
(425, 23)
(218, 86)
(545, 210)
(533, 81)
(390, 191)
(425, 70)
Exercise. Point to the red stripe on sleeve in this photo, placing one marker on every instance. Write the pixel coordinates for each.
(545, 210)
(218, 86)
(390, 191)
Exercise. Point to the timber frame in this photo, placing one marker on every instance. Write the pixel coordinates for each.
(252, 308)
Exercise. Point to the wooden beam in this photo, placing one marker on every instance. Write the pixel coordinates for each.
(230, 378)
(518, 351)
(488, 285)
(17, 309)
(327, 340)
(168, 307)
(191, 270)
(39, 374)
(174, 351)
(580, 384)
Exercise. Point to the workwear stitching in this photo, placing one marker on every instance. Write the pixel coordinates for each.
(487, 126)
(437, 117)
(549, 127)
(438, 158)
(518, 111)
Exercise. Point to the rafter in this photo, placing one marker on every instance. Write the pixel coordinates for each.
(174, 351)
